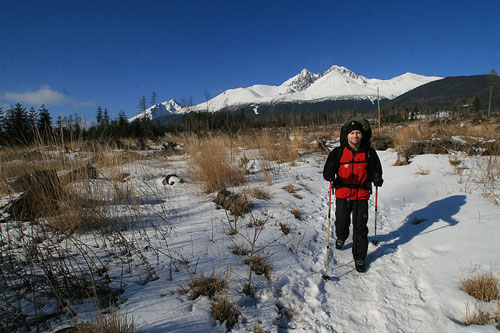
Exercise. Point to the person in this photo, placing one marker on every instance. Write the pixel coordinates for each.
(353, 167)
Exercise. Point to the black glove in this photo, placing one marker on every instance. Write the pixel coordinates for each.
(329, 174)
(378, 181)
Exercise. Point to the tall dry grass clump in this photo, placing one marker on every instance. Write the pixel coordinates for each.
(213, 163)
(113, 323)
(277, 147)
(224, 310)
(476, 316)
(483, 286)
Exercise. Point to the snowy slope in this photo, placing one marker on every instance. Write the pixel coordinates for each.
(412, 281)
(337, 83)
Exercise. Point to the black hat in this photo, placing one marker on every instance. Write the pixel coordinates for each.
(353, 125)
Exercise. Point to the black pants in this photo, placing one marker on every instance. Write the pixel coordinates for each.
(359, 210)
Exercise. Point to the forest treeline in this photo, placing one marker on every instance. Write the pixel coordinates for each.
(22, 126)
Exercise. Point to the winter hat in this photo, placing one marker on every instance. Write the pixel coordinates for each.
(352, 126)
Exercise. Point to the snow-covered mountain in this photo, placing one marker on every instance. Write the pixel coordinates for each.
(336, 83)
(159, 110)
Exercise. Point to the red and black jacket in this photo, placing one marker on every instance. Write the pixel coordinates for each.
(352, 171)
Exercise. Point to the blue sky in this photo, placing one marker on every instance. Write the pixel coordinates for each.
(75, 55)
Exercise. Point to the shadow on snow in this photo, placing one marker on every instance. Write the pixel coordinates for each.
(418, 223)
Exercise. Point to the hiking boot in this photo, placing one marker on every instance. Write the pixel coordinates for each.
(360, 265)
(339, 243)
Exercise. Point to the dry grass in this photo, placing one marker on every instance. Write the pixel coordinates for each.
(240, 250)
(206, 286)
(496, 316)
(113, 323)
(289, 188)
(258, 329)
(423, 172)
(259, 193)
(224, 310)
(212, 164)
(273, 145)
(60, 196)
(476, 317)
(295, 212)
(284, 228)
(485, 171)
(404, 135)
(237, 204)
(483, 286)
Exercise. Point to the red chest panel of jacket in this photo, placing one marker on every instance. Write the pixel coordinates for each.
(353, 171)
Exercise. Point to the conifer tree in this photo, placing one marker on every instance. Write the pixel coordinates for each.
(32, 115)
(44, 123)
(17, 124)
(142, 104)
(105, 118)
(122, 124)
(98, 116)
(2, 126)
(153, 98)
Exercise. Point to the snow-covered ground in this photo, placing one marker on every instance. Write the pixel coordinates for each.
(435, 227)
(413, 276)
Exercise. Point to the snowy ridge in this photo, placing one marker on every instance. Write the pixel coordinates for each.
(300, 81)
(159, 110)
(336, 83)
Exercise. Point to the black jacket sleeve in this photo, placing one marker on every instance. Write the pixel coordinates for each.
(375, 169)
(332, 165)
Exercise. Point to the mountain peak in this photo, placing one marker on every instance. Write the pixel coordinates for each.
(344, 71)
(158, 110)
(300, 81)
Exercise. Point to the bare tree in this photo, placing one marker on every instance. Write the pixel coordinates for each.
(207, 98)
(492, 80)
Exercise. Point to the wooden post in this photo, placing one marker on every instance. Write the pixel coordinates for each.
(489, 105)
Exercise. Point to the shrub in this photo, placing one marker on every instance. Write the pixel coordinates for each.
(259, 265)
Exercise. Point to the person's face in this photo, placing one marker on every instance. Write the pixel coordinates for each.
(354, 138)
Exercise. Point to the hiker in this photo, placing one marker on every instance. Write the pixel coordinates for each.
(352, 168)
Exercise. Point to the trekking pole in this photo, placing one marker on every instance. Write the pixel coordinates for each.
(375, 241)
(326, 277)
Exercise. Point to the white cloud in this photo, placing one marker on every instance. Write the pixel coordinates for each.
(45, 95)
